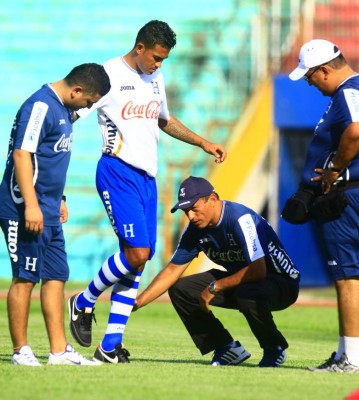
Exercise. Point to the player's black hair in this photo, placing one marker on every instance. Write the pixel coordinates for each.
(92, 77)
(338, 62)
(156, 32)
(207, 197)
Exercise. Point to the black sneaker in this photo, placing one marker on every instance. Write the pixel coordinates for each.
(273, 357)
(81, 322)
(119, 355)
(329, 365)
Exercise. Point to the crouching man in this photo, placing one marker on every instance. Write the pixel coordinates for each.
(258, 276)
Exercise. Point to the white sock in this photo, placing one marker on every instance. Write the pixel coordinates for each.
(351, 345)
(340, 350)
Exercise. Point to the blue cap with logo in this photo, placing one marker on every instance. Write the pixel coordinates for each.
(191, 190)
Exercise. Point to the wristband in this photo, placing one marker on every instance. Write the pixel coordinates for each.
(63, 198)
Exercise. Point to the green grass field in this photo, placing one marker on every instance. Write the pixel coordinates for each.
(166, 365)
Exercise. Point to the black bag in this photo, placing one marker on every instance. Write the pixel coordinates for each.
(330, 205)
(297, 208)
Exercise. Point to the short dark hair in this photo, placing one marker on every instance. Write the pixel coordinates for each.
(337, 62)
(207, 197)
(91, 76)
(156, 32)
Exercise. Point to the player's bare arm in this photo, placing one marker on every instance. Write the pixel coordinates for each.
(160, 284)
(24, 176)
(177, 130)
(254, 272)
(348, 148)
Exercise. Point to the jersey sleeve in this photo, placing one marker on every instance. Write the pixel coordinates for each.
(250, 237)
(351, 99)
(30, 126)
(84, 112)
(164, 112)
(186, 249)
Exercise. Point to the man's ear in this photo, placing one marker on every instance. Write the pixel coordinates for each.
(325, 69)
(76, 90)
(140, 48)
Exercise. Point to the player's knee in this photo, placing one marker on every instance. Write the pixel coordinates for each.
(137, 258)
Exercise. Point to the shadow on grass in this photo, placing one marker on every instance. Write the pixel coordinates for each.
(206, 363)
(5, 358)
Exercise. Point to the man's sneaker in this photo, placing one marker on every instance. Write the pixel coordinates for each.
(25, 356)
(119, 355)
(232, 354)
(273, 357)
(70, 357)
(329, 365)
(81, 322)
(345, 366)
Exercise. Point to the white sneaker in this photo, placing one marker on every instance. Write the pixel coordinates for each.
(25, 356)
(70, 357)
(232, 354)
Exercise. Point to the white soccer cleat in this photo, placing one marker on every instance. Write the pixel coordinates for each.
(25, 356)
(70, 357)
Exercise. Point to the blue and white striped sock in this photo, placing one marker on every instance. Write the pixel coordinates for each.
(113, 270)
(122, 300)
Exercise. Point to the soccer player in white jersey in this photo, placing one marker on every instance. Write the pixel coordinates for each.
(32, 207)
(130, 117)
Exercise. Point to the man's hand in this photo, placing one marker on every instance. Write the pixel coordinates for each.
(136, 306)
(216, 150)
(205, 299)
(64, 213)
(34, 220)
(327, 177)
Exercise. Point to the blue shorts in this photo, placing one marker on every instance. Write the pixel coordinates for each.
(130, 199)
(341, 239)
(36, 257)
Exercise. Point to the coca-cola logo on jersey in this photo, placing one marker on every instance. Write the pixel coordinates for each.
(148, 111)
(63, 144)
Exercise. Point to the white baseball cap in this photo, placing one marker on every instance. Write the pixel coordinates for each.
(314, 53)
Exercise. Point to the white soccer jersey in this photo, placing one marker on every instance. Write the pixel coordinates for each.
(128, 115)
